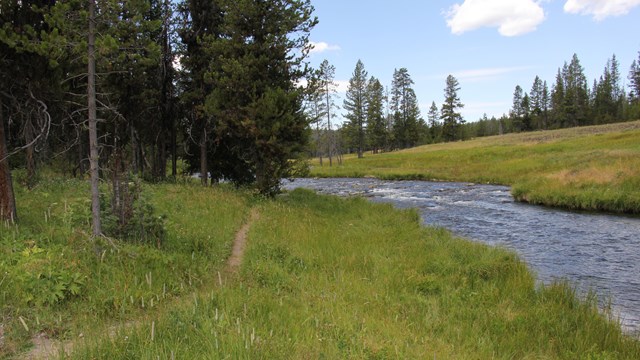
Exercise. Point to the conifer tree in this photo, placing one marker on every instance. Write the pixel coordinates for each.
(517, 111)
(376, 127)
(255, 99)
(435, 129)
(355, 103)
(328, 88)
(407, 124)
(449, 112)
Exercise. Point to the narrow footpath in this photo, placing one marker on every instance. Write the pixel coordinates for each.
(47, 348)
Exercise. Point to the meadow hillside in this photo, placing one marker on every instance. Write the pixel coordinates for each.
(593, 168)
(322, 277)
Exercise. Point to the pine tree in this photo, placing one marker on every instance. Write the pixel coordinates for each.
(546, 105)
(634, 78)
(517, 111)
(315, 109)
(558, 101)
(435, 129)
(449, 114)
(537, 103)
(355, 104)
(407, 124)
(202, 26)
(328, 89)
(576, 93)
(376, 127)
(255, 98)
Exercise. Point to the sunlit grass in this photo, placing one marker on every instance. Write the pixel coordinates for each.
(58, 281)
(589, 168)
(333, 278)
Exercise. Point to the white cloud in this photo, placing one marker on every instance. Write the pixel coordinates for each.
(476, 75)
(342, 87)
(319, 47)
(600, 9)
(511, 17)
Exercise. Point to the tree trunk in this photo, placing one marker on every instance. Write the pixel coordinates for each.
(93, 123)
(7, 198)
(174, 147)
(30, 153)
(204, 170)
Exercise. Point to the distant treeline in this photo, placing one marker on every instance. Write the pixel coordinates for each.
(568, 102)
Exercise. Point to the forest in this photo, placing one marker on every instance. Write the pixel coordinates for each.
(114, 90)
(152, 90)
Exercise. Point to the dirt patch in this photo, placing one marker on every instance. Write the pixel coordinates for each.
(240, 243)
(46, 348)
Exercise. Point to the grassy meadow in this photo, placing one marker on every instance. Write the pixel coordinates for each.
(330, 278)
(588, 168)
(322, 277)
(56, 281)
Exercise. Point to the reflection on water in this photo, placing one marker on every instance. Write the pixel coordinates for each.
(593, 251)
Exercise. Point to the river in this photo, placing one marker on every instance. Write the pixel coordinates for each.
(597, 252)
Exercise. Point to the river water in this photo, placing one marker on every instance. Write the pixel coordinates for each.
(593, 251)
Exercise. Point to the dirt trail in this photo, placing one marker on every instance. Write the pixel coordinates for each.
(240, 243)
(46, 348)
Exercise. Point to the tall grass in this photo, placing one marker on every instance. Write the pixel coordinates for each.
(590, 168)
(58, 281)
(332, 278)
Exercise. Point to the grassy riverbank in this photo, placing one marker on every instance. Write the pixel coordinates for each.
(334, 278)
(588, 168)
(323, 277)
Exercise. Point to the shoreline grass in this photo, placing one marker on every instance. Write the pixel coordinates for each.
(333, 278)
(595, 168)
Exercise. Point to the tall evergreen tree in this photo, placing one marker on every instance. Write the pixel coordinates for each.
(517, 111)
(537, 103)
(435, 129)
(634, 78)
(328, 88)
(407, 124)
(546, 105)
(449, 112)
(255, 98)
(376, 127)
(315, 108)
(576, 93)
(355, 103)
(558, 101)
(202, 26)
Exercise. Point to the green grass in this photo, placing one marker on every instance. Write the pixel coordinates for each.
(334, 278)
(589, 168)
(60, 282)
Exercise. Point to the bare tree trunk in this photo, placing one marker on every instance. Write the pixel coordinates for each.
(30, 152)
(93, 123)
(329, 134)
(7, 198)
(174, 147)
(204, 170)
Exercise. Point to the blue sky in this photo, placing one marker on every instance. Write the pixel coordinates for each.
(490, 46)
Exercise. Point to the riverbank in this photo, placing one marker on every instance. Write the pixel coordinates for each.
(321, 277)
(595, 168)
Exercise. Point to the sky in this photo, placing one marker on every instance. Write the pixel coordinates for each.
(490, 46)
